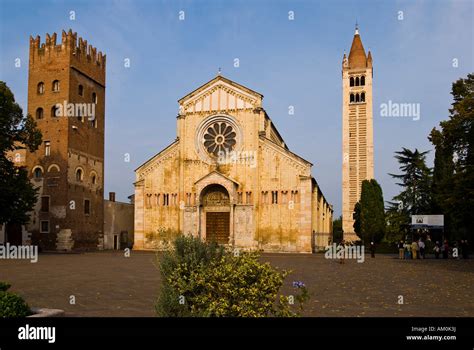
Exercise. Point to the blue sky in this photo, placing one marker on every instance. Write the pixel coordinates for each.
(294, 63)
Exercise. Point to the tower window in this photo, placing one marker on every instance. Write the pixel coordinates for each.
(79, 175)
(362, 97)
(87, 207)
(94, 179)
(39, 113)
(40, 89)
(352, 98)
(56, 85)
(351, 81)
(54, 111)
(81, 90)
(94, 97)
(44, 226)
(47, 148)
(357, 81)
(362, 80)
(274, 197)
(37, 173)
(357, 98)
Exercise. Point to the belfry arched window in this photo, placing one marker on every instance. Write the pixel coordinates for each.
(362, 97)
(352, 98)
(357, 81)
(357, 98)
(351, 81)
(362, 80)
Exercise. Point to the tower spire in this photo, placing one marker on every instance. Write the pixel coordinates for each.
(356, 28)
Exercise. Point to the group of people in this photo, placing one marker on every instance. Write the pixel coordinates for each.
(417, 249)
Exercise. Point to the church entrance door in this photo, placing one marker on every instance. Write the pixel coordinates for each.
(216, 208)
(217, 227)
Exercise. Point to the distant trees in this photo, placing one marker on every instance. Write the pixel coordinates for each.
(369, 214)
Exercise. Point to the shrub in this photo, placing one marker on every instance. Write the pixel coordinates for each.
(12, 305)
(203, 279)
(4, 286)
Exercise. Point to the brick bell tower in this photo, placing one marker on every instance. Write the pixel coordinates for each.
(66, 97)
(357, 129)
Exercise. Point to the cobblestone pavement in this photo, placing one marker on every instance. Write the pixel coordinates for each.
(109, 284)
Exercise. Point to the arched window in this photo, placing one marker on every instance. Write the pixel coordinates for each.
(81, 90)
(40, 89)
(37, 172)
(54, 111)
(351, 81)
(357, 81)
(362, 80)
(352, 98)
(79, 175)
(93, 177)
(39, 113)
(56, 85)
(53, 168)
(94, 97)
(362, 97)
(357, 98)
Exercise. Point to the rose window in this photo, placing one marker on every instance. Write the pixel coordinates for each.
(219, 137)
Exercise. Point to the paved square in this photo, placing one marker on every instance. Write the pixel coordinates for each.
(109, 284)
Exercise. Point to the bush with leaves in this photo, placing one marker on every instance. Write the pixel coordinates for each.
(12, 305)
(204, 280)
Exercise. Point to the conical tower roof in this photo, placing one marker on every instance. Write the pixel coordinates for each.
(357, 57)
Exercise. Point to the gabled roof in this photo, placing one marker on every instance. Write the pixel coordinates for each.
(219, 174)
(223, 79)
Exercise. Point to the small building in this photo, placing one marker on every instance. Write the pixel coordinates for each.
(118, 224)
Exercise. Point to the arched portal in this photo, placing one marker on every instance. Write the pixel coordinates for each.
(216, 209)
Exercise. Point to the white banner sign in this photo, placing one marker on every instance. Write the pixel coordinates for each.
(429, 220)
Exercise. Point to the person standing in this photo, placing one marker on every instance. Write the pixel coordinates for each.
(437, 249)
(407, 251)
(421, 245)
(414, 249)
(401, 250)
(342, 247)
(372, 249)
(445, 249)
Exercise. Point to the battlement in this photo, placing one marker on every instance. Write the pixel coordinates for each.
(70, 45)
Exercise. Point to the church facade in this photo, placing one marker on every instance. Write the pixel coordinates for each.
(229, 177)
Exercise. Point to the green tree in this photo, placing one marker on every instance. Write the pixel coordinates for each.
(415, 181)
(337, 233)
(453, 175)
(356, 217)
(370, 213)
(17, 194)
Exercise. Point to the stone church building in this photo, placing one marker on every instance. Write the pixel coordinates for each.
(229, 177)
